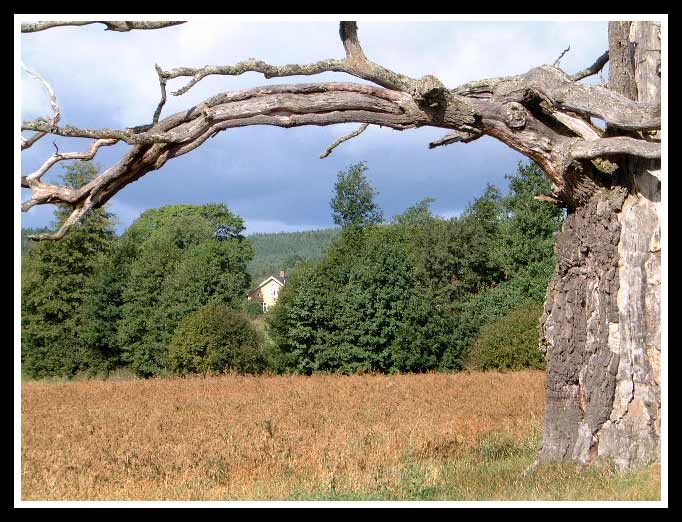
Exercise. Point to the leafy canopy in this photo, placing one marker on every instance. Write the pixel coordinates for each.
(353, 204)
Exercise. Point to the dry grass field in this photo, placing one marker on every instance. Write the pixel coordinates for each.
(467, 436)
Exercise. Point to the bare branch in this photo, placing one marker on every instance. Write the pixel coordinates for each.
(355, 64)
(57, 157)
(516, 110)
(597, 66)
(482, 88)
(28, 142)
(455, 137)
(283, 105)
(616, 145)
(251, 65)
(162, 102)
(73, 218)
(120, 27)
(279, 105)
(557, 88)
(347, 137)
(556, 62)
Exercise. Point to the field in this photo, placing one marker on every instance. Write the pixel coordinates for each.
(467, 436)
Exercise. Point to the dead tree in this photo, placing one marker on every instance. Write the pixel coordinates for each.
(601, 321)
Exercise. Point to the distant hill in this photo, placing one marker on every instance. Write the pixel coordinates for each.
(284, 250)
(274, 252)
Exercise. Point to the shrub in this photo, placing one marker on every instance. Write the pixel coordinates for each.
(214, 339)
(510, 342)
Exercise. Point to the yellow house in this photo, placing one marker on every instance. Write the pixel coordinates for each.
(267, 292)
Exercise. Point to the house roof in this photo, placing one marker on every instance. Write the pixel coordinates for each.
(271, 278)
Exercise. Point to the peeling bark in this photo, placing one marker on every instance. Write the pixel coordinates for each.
(601, 325)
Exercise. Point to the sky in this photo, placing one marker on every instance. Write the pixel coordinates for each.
(273, 177)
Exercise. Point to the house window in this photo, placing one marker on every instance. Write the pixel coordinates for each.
(265, 306)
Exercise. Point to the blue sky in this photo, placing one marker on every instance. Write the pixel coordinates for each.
(273, 177)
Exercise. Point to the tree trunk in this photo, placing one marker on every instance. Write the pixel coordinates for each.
(601, 325)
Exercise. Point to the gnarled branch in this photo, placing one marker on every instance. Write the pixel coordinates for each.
(455, 137)
(355, 64)
(616, 145)
(120, 27)
(57, 157)
(544, 114)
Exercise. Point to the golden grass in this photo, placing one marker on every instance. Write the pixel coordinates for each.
(403, 437)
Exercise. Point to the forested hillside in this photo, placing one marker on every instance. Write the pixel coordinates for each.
(285, 250)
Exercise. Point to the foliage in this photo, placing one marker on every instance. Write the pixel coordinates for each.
(56, 278)
(215, 338)
(510, 342)
(414, 295)
(179, 267)
(353, 204)
(410, 296)
(418, 214)
(454, 258)
(526, 239)
(103, 304)
(357, 310)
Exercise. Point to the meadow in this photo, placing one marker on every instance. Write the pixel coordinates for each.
(437, 436)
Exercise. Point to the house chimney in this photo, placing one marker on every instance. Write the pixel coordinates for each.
(282, 273)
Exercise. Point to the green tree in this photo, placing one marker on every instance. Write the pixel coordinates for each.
(526, 238)
(211, 272)
(522, 252)
(454, 258)
(186, 256)
(418, 214)
(359, 309)
(103, 305)
(56, 281)
(353, 204)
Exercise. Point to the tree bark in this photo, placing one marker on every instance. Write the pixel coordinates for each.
(601, 324)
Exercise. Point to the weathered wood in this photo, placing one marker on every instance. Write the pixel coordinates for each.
(601, 326)
(121, 27)
(543, 114)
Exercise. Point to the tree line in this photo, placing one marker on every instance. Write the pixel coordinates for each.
(415, 293)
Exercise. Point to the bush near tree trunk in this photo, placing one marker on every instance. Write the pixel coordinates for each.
(215, 339)
(509, 343)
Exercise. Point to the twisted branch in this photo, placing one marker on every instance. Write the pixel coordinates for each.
(544, 114)
(616, 145)
(355, 64)
(121, 27)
